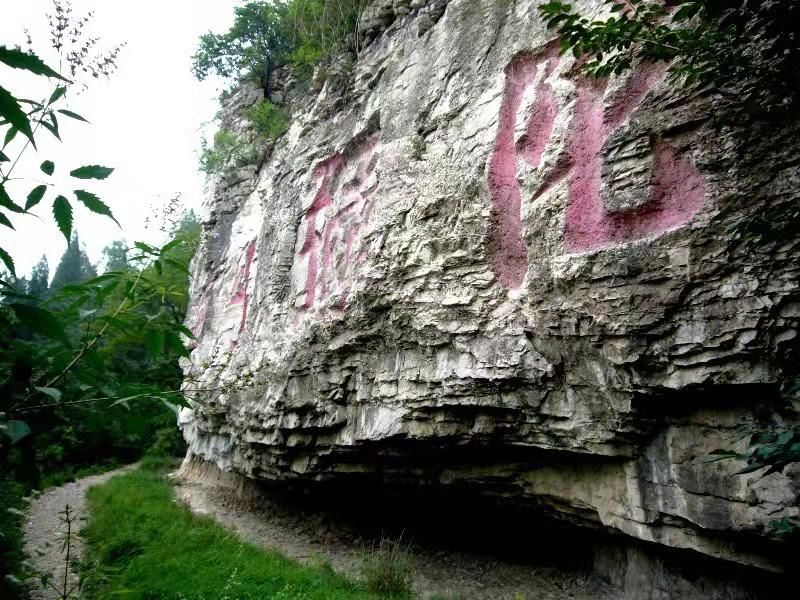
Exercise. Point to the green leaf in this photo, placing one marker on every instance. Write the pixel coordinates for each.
(154, 341)
(170, 245)
(721, 454)
(8, 261)
(146, 248)
(104, 277)
(57, 93)
(49, 391)
(91, 172)
(13, 113)
(62, 211)
(170, 405)
(35, 196)
(94, 204)
(123, 402)
(7, 202)
(157, 265)
(185, 331)
(16, 430)
(4, 221)
(52, 128)
(3, 157)
(10, 135)
(48, 167)
(72, 115)
(41, 321)
(84, 313)
(106, 290)
(17, 59)
(174, 342)
(177, 265)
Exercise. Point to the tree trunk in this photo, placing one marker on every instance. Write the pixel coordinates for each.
(266, 81)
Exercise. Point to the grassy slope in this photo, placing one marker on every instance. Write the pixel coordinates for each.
(150, 548)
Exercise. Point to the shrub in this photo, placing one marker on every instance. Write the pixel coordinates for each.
(318, 27)
(387, 568)
(229, 152)
(168, 443)
(11, 552)
(266, 35)
(270, 121)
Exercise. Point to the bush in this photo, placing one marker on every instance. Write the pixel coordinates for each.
(11, 553)
(387, 568)
(168, 442)
(229, 152)
(270, 121)
(268, 34)
(319, 27)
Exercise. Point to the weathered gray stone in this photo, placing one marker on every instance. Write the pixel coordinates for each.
(554, 285)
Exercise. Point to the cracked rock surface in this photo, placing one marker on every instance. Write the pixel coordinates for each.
(466, 266)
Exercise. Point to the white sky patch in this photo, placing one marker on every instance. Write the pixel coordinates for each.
(147, 121)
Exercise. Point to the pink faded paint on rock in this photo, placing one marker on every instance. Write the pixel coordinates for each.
(240, 294)
(507, 252)
(676, 190)
(335, 222)
(325, 172)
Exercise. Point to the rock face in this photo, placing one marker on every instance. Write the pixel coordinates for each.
(468, 266)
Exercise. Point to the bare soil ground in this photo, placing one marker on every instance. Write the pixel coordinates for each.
(439, 571)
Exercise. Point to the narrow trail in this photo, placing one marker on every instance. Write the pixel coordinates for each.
(439, 571)
(44, 529)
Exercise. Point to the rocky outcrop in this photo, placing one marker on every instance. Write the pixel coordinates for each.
(470, 267)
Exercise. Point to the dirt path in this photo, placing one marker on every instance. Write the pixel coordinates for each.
(439, 572)
(44, 529)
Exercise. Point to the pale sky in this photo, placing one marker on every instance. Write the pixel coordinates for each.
(146, 120)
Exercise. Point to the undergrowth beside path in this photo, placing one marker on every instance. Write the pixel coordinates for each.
(143, 546)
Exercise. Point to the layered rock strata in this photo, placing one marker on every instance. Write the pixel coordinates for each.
(468, 266)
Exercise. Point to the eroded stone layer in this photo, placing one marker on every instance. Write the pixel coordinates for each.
(467, 265)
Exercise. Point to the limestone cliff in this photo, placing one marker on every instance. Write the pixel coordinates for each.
(468, 266)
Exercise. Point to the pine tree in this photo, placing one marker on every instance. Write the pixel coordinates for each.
(74, 266)
(115, 257)
(38, 284)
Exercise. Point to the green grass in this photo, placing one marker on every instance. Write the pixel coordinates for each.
(146, 547)
(11, 523)
(72, 473)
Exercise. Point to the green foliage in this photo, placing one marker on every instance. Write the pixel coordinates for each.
(751, 46)
(28, 121)
(770, 449)
(68, 473)
(269, 34)
(77, 370)
(228, 152)
(151, 547)
(387, 568)
(257, 42)
(320, 27)
(269, 120)
(11, 552)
